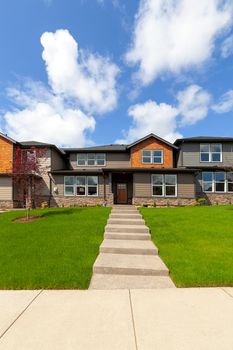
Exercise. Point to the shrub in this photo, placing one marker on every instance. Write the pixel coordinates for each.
(202, 201)
(44, 205)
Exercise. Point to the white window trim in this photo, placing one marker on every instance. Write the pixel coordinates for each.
(69, 195)
(95, 161)
(210, 153)
(225, 185)
(86, 186)
(214, 182)
(164, 186)
(151, 156)
(228, 182)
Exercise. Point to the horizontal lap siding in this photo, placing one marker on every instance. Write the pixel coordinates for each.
(5, 188)
(190, 155)
(59, 183)
(143, 187)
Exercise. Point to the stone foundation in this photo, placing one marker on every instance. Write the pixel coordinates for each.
(217, 198)
(163, 202)
(81, 201)
(6, 204)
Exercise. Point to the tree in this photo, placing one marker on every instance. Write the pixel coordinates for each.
(27, 175)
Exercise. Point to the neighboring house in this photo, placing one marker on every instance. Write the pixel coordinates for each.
(147, 172)
(6, 168)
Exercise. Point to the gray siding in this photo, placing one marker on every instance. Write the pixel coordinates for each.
(185, 185)
(57, 161)
(45, 166)
(113, 160)
(58, 181)
(5, 188)
(190, 155)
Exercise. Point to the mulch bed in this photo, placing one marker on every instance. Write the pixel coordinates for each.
(32, 218)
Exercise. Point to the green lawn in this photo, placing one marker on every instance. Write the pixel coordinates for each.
(196, 243)
(57, 251)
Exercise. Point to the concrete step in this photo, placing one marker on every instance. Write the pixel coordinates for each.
(127, 236)
(126, 228)
(139, 247)
(124, 264)
(119, 211)
(118, 221)
(125, 216)
(123, 206)
(100, 281)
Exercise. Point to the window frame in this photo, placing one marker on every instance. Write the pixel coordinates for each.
(210, 153)
(227, 181)
(94, 158)
(97, 186)
(219, 182)
(74, 193)
(85, 186)
(164, 186)
(152, 156)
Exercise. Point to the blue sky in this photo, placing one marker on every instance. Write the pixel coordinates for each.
(84, 72)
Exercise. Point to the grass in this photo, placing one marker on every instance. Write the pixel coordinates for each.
(56, 251)
(196, 243)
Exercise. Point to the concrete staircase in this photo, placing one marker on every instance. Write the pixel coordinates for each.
(128, 258)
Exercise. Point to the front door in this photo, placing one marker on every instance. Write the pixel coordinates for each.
(122, 193)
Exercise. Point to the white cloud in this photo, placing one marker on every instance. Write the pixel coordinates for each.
(227, 47)
(164, 119)
(89, 78)
(193, 104)
(225, 104)
(174, 35)
(152, 117)
(40, 115)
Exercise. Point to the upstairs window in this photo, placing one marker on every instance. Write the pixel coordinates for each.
(211, 152)
(91, 159)
(152, 157)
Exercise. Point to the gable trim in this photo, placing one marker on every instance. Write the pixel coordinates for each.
(154, 136)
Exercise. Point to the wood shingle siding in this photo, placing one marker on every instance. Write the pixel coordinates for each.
(6, 155)
(5, 188)
(151, 144)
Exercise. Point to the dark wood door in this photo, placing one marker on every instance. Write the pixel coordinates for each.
(122, 193)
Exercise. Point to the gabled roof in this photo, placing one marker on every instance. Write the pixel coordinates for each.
(7, 137)
(156, 137)
(40, 144)
(204, 139)
(108, 148)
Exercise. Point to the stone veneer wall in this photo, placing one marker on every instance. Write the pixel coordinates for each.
(163, 202)
(80, 201)
(217, 198)
(6, 204)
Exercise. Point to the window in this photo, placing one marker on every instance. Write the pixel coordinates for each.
(220, 180)
(152, 157)
(91, 159)
(230, 182)
(207, 181)
(211, 152)
(170, 185)
(81, 185)
(69, 186)
(92, 185)
(164, 185)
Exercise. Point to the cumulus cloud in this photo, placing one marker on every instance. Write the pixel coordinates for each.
(227, 47)
(152, 117)
(40, 115)
(164, 119)
(225, 104)
(174, 35)
(74, 73)
(193, 104)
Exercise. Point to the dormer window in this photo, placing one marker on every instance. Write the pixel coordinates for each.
(211, 152)
(91, 159)
(152, 156)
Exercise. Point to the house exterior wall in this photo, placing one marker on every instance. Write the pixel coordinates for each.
(113, 160)
(6, 192)
(190, 156)
(6, 155)
(142, 190)
(57, 161)
(151, 144)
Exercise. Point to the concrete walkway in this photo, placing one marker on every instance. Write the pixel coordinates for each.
(128, 258)
(171, 319)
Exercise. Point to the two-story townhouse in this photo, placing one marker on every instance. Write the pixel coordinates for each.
(144, 172)
(6, 168)
(213, 157)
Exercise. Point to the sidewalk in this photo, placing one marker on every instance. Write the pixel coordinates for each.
(200, 318)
